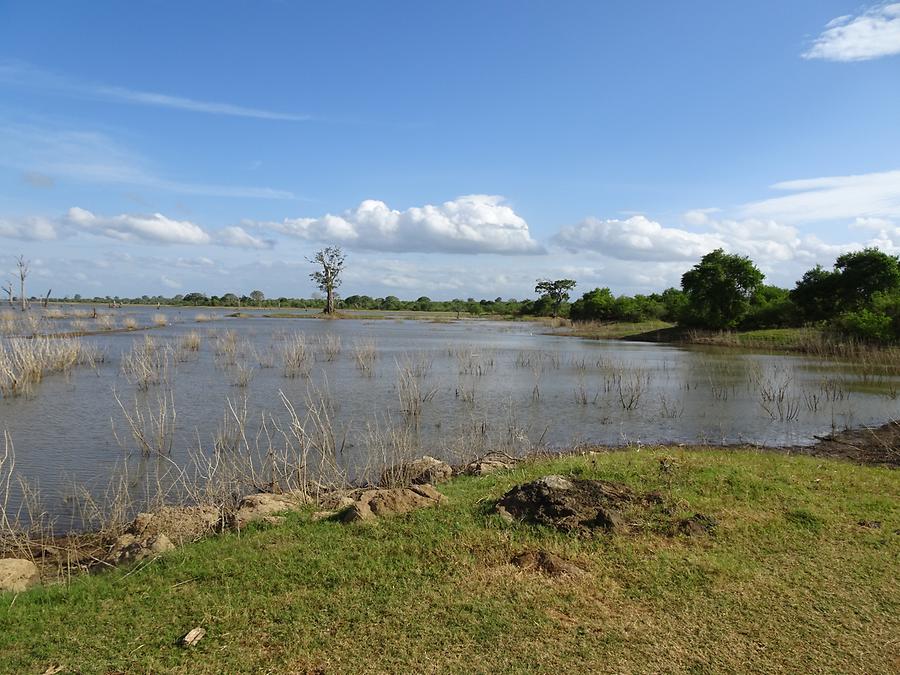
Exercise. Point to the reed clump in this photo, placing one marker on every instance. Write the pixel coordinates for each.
(365, 352)
(25, 362)
(295, 356)
(147, 363)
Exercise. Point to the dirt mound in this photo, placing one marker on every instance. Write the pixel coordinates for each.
(181, 524)
(547, 563)
(377, 503)
(879, 446)
(569, 503)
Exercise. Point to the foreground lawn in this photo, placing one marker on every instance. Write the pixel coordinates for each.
(789, 581)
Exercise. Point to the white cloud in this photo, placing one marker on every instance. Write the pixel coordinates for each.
(468, 224)
(169, 282)
(871, 195)
(33, 228)
(637, 238)
(697, 217)
(234, 235)
(870, 35)
(155, 228)
(23, 74)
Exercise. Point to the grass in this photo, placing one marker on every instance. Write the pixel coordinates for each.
(789, 582)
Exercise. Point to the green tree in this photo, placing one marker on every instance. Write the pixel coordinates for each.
(556, 291)
(596, 305)
(816, 294)
(861, 274)
(258, 297)
(719, 289)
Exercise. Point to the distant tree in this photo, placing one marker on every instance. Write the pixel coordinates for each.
(596, 305)
(771, 307)
(258, 297)
(231, 300)
(331, 260)
(816, 294)
(864, 273)
(195, 298)
(719, 289)
(556, 291)
(23, 267)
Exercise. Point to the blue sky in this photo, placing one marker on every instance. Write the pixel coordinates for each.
(454, 149)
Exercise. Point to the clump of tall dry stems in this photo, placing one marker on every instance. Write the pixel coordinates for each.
(147, 363)
(25, 362)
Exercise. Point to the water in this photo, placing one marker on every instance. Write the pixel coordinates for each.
(476, 380)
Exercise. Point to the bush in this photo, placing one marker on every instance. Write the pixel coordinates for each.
(868, 325)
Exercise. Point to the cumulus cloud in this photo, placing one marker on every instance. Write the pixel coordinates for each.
(637, 238)
(155, 228)
(870, 35)
(871, 195)
(235, 235)
(468, 224)
(779, 249)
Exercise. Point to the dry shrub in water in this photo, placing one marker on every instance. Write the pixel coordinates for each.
(364, 353)
(330, 346)
(147, 363)
(24, 363)
(190, 342)
(295, 356)
(106, 322)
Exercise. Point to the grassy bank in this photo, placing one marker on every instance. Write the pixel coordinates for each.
(789, 581)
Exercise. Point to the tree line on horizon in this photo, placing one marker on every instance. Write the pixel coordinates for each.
(858, 297)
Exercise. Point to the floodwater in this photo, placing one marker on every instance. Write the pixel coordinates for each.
(472, 381)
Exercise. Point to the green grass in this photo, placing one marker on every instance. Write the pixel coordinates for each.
(789, 582)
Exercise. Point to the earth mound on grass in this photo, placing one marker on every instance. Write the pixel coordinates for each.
(570, 503)
(574, 503)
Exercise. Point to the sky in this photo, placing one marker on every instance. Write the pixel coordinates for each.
(452, 148)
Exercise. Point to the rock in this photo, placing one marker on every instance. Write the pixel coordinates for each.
(17, 575)
(568, 504)
(490, 463)
(336, 501)
(192, 637)
(697, 525)
(609, 519)
(505, 515)
(259, 506)
(546, 562)
(429, 470)
(129, 548)
(181, 524)
(372, 504)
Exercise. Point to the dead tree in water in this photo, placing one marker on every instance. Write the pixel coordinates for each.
(46, 300)
(331, 260)
(22, 264)
(7, 288)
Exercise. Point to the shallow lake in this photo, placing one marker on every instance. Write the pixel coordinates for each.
(454, 385)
